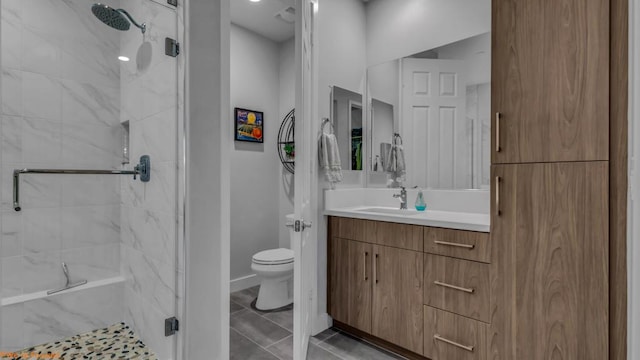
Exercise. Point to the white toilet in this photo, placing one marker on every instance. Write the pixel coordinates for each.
(275, 269)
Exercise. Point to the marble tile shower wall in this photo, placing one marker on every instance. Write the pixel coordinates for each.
(60, 109)
(149, 210)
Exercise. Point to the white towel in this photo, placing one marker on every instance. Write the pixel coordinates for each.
(329, 157)
(395, 162)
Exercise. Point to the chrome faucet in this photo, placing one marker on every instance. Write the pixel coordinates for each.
(403, 198)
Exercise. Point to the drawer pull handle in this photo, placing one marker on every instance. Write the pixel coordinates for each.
(467, 290)
(439, 338)
(498, 147)
(466, 246)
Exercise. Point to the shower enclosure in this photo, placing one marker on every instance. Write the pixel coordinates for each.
(92, 230)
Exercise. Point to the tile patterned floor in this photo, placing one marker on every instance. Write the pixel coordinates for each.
(116, 342)
(268, 336)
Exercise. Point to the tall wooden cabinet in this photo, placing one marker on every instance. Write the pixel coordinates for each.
(550, 191)
(550, 295)
(550, 80)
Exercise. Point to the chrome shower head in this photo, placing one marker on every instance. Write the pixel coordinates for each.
(118, 19)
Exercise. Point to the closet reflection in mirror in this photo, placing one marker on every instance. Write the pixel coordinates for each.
(439, 101)
(347, 119)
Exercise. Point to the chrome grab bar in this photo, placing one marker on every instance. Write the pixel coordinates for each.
(143, 169)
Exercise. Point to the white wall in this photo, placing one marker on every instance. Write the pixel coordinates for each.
(208, 146)
(287, 102)
(399, 28)
(476, 53)
(255, 168)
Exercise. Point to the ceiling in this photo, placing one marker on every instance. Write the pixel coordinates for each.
(262, 17)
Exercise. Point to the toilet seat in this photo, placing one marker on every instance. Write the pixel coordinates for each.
(273, 257)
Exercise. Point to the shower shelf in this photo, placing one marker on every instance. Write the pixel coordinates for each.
(143, 169)
(20, 299)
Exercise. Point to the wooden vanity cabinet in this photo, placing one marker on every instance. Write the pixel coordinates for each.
(470, 245)
(451, 337)
(360, 281)
(401, 236)
(374, 288)
(398, 297)
(458, 286)
(350, 282)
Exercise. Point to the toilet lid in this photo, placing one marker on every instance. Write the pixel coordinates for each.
(274, 257)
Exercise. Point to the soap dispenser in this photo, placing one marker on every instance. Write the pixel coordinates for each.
(420, 204)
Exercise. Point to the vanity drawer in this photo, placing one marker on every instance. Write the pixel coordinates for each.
(348, 228)
(458, 286)
(401, 236)
(448, 336)
(470, 245)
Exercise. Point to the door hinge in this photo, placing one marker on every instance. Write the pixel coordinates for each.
(171, 47)
(171, 325)
(173, 2)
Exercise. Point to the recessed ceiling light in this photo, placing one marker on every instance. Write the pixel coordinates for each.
(123, 58)
(254, 0)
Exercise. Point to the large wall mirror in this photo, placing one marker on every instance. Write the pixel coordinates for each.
(438, 100)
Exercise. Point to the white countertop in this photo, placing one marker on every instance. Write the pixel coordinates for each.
(433, 218)
(452, 209)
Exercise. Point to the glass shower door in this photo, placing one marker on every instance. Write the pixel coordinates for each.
(88, 87)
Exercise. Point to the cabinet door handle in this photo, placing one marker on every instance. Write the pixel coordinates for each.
(439, 338)
(498, 180)
(366, 255)
(498, 148)
(467, 290)
(375, 270)
(466, 246)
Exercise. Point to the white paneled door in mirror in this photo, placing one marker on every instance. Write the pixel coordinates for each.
(437, 140)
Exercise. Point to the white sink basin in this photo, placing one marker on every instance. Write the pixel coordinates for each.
(391, 211)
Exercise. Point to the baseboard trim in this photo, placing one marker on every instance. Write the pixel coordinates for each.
(378, 342)
(244, 282)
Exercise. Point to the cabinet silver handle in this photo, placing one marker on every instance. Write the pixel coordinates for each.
(439, 338)
(498, 148)
(366, 255)
(466, 246)
(498, 180)
(467, 290)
